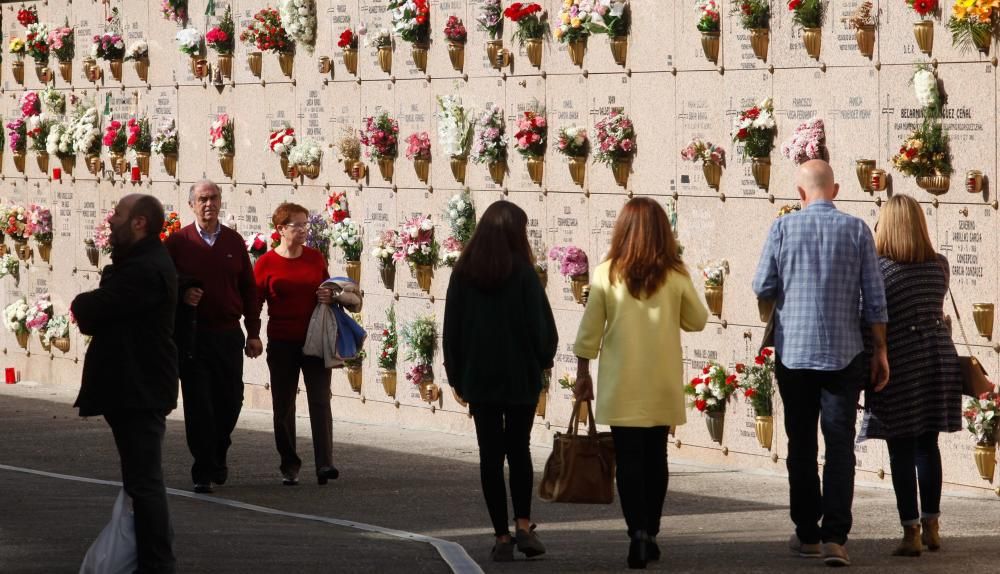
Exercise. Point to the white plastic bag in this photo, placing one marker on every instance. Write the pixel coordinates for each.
(114, 551)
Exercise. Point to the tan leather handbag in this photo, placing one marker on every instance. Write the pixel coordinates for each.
(975, 379)
(581, 468)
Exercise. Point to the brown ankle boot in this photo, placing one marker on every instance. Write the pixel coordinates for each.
(931, 538)
(910, 545)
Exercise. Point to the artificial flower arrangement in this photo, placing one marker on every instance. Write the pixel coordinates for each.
(384, 253)
(574, 265)
(166, 143)
(15, 320)
(982, 415)
(171, 225)
(757, 385)
(37, 130)
(348, 42)
(222, 140)
(972, 24)
(53, 101)
(349, 146)
(175, 10)
(108, 46)
(18, 230)
(388, 353)
(266, 33)
(102, 234)
(755, 129)
(256, 246)
(923, 30)
(10, 266)
(490, 19)
(57, 332)
(755, 16)
(573, 143)
(305, 157)
(299, 20)
(189, 41)
(709, 24)
(807, 142)
(809, 15)
(863, 22)
(281, 142)
(318, 233)
(60, 140)
(711, 156)
(411, 21)
(116, 140)
(30, 104)
(16, 48)
(346, 235)
(489, 143)
(926, 153)
(420, 337)
(714, 275)
(222, 37)
(86, 134)
(454, 133)
(381, 41)
(709, 393)
(578, 19)
(36, 319)
(456, 34)
(140, 141)
(380, 136)
(615, 137)
(336, 207)
(461, 217)
(541, 264)
(419, 248)
(39, 227)
(529, 19)
(451, 250)
(17, 139)
(531, 139)
(36, 42)
(27, 16)
(138, 50)
(418, 149)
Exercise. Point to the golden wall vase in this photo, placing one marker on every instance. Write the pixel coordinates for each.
(764, 308)
(497, 171)
(118, 163)
(459, 399)
(536, 169)
(141, 67)
(716, 423)
(22, 250)
(255, 61)
(424, 275)
(354, 271)
(458, 167)
(579, 283)
(68, 163)
(713, 174)
(621, 168)
(94, 164)
(388, 276)
(42, 159)
(354, 378)
(456, 53)
(351, 61)
(225, 64)
(974, 181)
(934, 184)
(43, 73)
(310, 170)
(66, 70)
(983, 314)
(116, 69)
(45, 251)
(429, 391)
(923, 31)
(710, 43)
(17, 69)
(170, 164)
(578, 169)
(385, 59)
(19, 159)
(61, 344)
(760, 41)
(419, 54)
(93, 253)
(863, 169)
(534, 48)
(865, 37)
(764, 429)
(713, 297)
(986, 460)
(813, 39)
(386, 166)
(422, 167)
(226, 161)
(388, 379)
(286, 62)
(982, 43)
(577, 50)
(142, 158)
(22, 339)
(761, 169)
(619, 49)
(879, 180)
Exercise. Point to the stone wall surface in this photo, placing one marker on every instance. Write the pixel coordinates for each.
(668, 87)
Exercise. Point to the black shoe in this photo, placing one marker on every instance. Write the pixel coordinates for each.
(503, 552)
(288, 479)
(325, 473)
(203, 488)
(219, 477)
(637, 551)
(652, 550)
(528, 542)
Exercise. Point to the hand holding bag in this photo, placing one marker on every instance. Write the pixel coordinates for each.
(581, 468)
(974, 377)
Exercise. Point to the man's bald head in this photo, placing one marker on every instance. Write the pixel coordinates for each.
(815, 182)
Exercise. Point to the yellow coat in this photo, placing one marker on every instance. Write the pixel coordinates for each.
(639, 379)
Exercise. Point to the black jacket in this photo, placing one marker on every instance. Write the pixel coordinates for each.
(497, 342)
(131, 362)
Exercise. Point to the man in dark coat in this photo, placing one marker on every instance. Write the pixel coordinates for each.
(130, 370)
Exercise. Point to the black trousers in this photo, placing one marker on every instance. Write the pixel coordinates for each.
(641, 459)
(285, 361)
(212, 382)
(504, 432)
(139, 438)
(916, 460)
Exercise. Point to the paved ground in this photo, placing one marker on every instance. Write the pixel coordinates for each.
(415, 481)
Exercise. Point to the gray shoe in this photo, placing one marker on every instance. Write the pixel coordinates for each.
(528, 542)
(503, 552)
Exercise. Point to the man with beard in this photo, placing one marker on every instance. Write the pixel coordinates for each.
(130, 370)
(216, 288)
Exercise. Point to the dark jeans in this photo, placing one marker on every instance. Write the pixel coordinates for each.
(831, 397)
(910, 459)
(139, 438)
(641, 460)
(212, 383)
(504, 431)
(285, 361)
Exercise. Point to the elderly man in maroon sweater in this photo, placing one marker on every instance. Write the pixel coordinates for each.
(217, 288)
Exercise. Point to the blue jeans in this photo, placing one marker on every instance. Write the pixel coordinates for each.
(830, 398)
(910, 459)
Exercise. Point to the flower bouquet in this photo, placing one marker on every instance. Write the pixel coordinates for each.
(411, 21)
(418, 247)
(755, 16)
(461, 217)
(53, 101)
(305, 157)
(174, 10)
(709, 24)
(714, 274)
(39, 227)
(972, 24)
(420, 337)
(138, 53)
(755, 128)
(16, 49)
(456, 34)
(37, 130)
(116, 141)
(808, 15)
(863, 22)
(171, 225)
(223, 141)
(923, 30)
(350, 153)
(36, 43)
(318, 234)
(531, 139)
(100, 241)
(757, 384)
(109, 47)
(489, 144)
(57, 332)
(573, 143)
(140, 142)
(281, 142)
(299, 20)
(27, 16)
(531, 28)
(265, 33)
(353, 366)
(36, 319)
(418, 149)
(709, 392)
(711, 156)
(451, 250)
(926, 152)
(348, 42)
(10, 265)
(541, 264)
(189, 42)
(166, 143)
(981, 417)
(381, 41)
(808, 142)
(346, 235)
(17, 139)
(490, 20)
(222, 39)
(575, 24)
(615, 136)
(256, 246)
(388, 353)
(15, 319)
(380, 136)
(454, 133)
(574, 265)
(336, 207)
(384, 253)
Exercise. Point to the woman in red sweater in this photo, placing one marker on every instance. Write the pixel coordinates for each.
(287, 278)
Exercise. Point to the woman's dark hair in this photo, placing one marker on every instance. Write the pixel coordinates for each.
(643, 249)
(501, 238)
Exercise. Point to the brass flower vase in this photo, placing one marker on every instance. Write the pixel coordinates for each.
(716, 423)
(578, 283)
(354, 378)
(17, 69)
(68, 163)
(141, 67)
(458, 399)
(19, 160)
(61, 343)
(619, 49)
(710, 43)
(388, 275)
(865, 37)
(458, 166)
(226, 65)
(621, 168)
(534, 48)
(142, 158)
(42, 159)
(497, 171)
(424, 275)
(577, 50)
(456, 53)
(22, 339)
(118, 163)
(578, 169)
(170, 164)
(94, 164)
(116, 69)
(386, 166)
(536, 169)
(93, 253)
(934, 184)
(422, 167)
(66, 70)
(863, 168)
(713, 174)
(226, 162)
(496, 54)
(388, 379)
(385, 59)
(764, 429)
(354, 271)
(45, 252)
(429, 392)
(286, 62)
(761, 169)
(351, 61)
(760, 41)
(23, 250)
(985, 455)
(255, 61)
(310, 170)
(713, 297)
(923, 31)
(813, 39)
(419, 54)
(983, 314)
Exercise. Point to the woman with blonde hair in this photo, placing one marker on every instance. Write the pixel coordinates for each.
(923, 397)
(641, 297)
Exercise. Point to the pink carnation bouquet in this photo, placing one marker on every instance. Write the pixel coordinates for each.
(102, 233)
(418, 146)
(31, 105)
(572, 260)
(615, 138)
(705, 152)
(807, 142)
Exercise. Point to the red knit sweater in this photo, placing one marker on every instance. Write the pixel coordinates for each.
(289, 287)
(226, 275)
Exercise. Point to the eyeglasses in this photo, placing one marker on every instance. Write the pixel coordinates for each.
(296, 225)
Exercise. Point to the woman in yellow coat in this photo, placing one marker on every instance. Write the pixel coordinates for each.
(641, 297)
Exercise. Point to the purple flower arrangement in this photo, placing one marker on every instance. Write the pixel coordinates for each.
(572, 260)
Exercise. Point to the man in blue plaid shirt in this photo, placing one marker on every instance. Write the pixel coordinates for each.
(819, 266)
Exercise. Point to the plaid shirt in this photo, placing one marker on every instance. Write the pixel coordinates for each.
(820, 266)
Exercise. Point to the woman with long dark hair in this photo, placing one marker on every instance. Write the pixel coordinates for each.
(641, 297)
(499, 337)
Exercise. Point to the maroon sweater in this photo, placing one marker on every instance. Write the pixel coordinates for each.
(226, 274)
